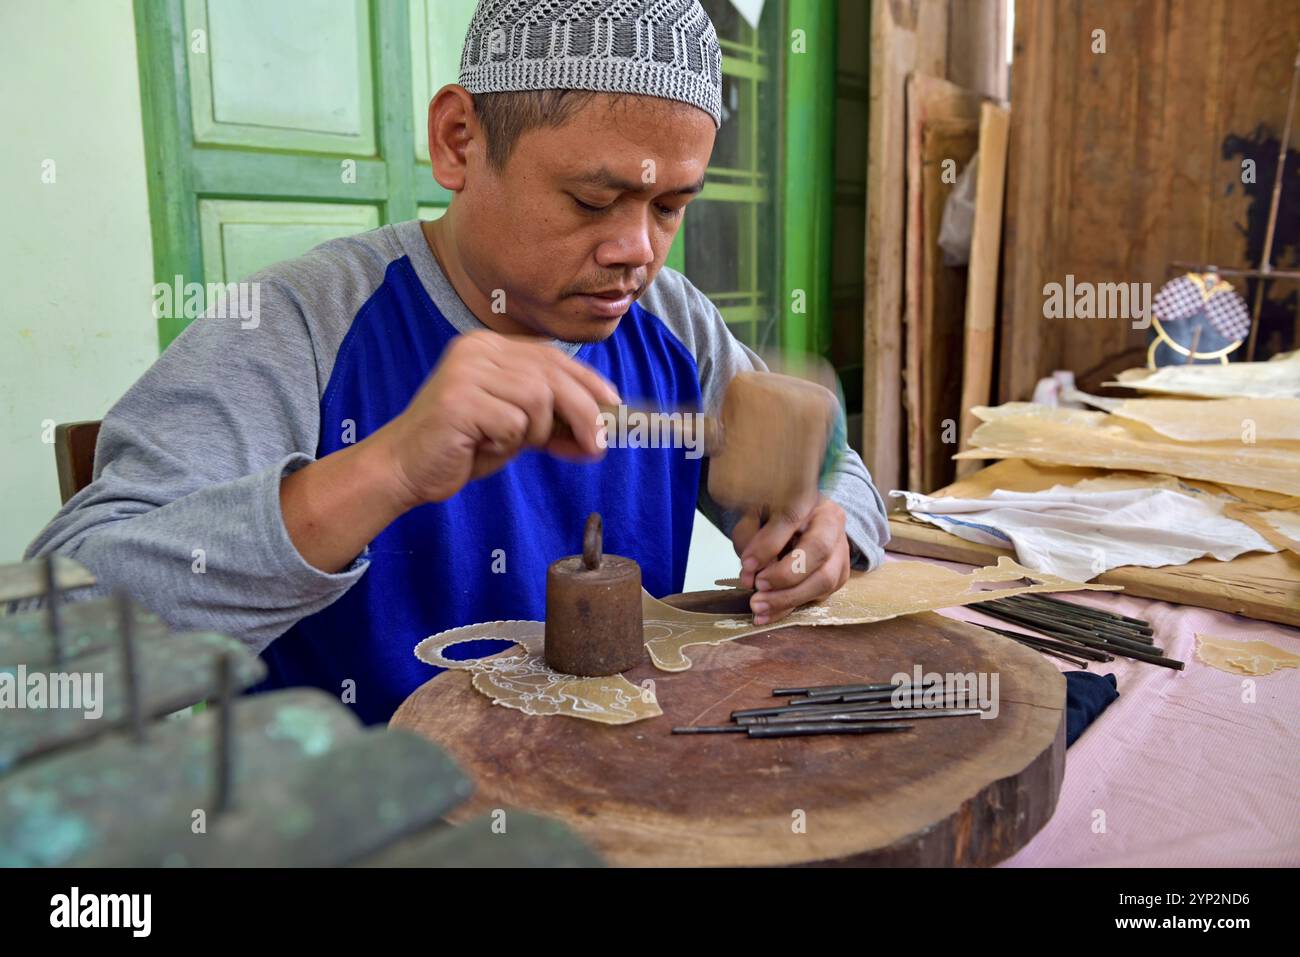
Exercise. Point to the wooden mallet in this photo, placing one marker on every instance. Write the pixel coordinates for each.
(775, 437)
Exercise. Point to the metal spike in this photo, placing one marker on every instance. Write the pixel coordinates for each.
(710, 729)
(824, 727)
(130, 669)
(225, 749)
(53, 623)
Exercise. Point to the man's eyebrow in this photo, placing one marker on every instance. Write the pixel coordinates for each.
(693, 188)
(605, 179)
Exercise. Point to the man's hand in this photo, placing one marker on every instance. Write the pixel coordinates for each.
(797, 557)
(489, 397)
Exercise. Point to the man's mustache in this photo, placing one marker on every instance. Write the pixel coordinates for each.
(596, 286)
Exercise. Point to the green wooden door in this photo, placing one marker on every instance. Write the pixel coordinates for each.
(273, 127)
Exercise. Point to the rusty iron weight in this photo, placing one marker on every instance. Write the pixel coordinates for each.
(593, 610)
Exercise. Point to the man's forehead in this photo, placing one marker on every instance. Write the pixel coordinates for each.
(631, 120)
(602, 176)
(612, 139)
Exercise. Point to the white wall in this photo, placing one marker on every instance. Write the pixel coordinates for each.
(75, 256)
(712, 557)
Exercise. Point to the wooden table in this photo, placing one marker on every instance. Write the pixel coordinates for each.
(953, 791)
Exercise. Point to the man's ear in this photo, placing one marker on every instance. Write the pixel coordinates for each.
(453, 131)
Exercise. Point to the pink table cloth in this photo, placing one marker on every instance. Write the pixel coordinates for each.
(1183, 769)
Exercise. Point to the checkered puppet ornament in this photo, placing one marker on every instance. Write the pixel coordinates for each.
(1197, 318)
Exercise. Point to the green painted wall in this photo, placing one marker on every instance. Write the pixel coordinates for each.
(75, 316)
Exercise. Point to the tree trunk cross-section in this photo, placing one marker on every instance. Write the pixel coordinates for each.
(952, 791)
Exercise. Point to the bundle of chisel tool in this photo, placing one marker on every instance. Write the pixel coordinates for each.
(839, 709)
(1075, 633)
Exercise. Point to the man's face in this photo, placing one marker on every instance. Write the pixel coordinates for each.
(579, 221)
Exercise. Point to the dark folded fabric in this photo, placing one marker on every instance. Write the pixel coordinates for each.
(1086, 696)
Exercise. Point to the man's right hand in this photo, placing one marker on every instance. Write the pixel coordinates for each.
(489, 397)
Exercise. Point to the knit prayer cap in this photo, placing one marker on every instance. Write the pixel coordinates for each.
(663, 48)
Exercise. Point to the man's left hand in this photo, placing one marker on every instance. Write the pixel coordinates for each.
(800, 556)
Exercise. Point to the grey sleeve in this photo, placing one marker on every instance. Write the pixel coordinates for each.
(184, 510)
(719, 356)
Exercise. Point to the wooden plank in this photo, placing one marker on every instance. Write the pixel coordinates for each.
(1257, 585)
(943, 303)
(1250, 86)
(74, 456)
(952, 791)
(977, 31)
(982, 273)
(931, 19)
(894, 49)
(930, 100)
(1029, 205)
(905, 36)
(1110, 178)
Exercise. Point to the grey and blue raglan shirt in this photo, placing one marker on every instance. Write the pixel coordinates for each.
(184, 510)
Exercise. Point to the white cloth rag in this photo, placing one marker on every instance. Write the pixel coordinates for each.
(1080, 534)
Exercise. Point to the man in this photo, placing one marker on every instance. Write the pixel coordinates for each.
(376, 460)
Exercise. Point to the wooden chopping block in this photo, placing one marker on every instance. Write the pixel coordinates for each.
(950, 792)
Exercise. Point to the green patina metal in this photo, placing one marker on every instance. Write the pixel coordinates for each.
(506, 838)
(27, 579)
(303, 726)
(174, 672)
(370, 790)
(88, 626)
(88, 790)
